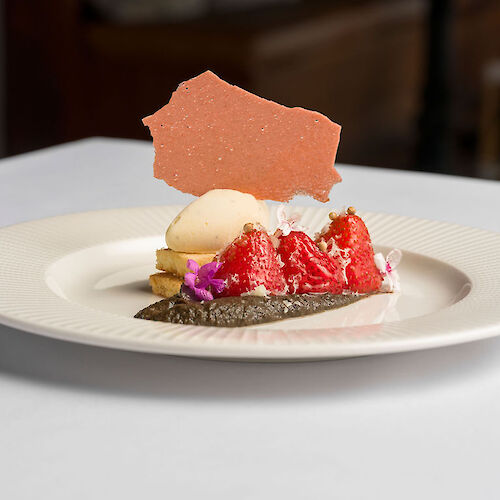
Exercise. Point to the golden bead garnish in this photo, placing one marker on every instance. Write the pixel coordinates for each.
(351, 210)
(332, 215)
(322, 245)
(248, 227)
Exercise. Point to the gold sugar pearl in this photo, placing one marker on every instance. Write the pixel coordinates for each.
(351, 210)
(322, 246)
(248, 227)
(332, 215)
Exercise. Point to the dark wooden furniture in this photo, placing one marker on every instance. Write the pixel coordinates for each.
(72, 74)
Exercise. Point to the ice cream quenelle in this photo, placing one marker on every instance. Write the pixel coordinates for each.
(214, 220)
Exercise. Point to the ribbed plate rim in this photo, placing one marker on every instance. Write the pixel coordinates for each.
(473, 251)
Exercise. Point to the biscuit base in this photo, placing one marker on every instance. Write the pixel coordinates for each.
(165, 284)
(174, 263)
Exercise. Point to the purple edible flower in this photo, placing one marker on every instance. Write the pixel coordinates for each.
(200, 281)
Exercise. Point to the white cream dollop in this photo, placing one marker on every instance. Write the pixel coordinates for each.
(214, 220)
(258, 291)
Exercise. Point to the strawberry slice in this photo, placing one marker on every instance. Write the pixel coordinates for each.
(306, 268)
(348, 234)
(248, 262)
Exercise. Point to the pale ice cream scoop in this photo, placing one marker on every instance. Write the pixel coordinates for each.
(214, 220)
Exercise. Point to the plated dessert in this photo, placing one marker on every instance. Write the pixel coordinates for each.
(224, 264)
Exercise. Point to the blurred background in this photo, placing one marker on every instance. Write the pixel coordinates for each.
(415, 84)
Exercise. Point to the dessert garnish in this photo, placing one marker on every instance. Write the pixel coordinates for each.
(347, 237)
(387, 268)
(306, 268)
(287, 223)
(215, 135)
(200, 281)
(250, 261)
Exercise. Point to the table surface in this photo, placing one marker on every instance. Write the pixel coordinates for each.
(83, 422)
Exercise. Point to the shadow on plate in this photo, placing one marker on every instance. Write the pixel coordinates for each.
(80, 367)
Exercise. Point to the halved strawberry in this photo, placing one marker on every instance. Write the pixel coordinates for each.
(306, 268)
(249, 261)
(347, 232)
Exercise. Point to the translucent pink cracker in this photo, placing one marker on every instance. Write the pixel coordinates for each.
(215, 135)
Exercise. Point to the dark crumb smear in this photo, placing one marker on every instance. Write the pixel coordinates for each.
(242, 311)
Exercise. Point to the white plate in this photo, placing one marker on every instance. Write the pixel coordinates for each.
(82, 277)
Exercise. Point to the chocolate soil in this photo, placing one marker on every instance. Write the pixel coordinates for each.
(242, 311)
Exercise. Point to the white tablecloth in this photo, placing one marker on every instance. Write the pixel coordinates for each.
(79, 422)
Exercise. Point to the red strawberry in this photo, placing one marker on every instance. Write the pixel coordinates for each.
(348, 232)
(306, 268)
(249, 261)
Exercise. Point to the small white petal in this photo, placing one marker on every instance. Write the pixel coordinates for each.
(394, 258)
(281, 214)
(396, 285)
(387, 284)
(288, 224)
(380, 263)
